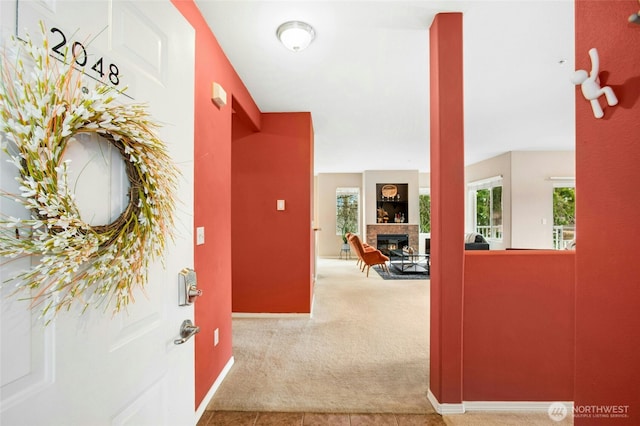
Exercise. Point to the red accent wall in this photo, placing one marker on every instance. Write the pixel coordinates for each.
(447, 206)
(272, 249)
(518, 325)
(212, 208)
(608, 211)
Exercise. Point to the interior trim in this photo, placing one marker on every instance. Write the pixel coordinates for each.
(214, 388)
(444, 408)
(493, 406)
(269, 315)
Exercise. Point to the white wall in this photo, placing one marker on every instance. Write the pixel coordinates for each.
(532, 195)
(424, 180)
(328, 243)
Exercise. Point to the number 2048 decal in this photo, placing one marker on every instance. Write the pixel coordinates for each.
(102, 69)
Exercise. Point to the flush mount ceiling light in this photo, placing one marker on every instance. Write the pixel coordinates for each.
(295, 35)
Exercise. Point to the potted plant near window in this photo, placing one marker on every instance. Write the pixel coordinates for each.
(346, 217)
(345, 242)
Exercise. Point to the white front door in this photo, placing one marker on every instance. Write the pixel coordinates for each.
(96, 368)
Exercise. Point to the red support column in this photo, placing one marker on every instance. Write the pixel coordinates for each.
(447, 207)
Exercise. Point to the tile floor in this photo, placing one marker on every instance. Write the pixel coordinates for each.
(244, 418)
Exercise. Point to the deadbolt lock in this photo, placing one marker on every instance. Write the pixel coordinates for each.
(188, 289)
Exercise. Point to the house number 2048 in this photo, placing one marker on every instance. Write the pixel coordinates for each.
(81, 58)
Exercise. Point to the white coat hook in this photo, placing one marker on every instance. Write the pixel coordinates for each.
(590, 85)
(635, 18)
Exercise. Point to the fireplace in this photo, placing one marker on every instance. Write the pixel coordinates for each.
(375, 229)
(388, 242)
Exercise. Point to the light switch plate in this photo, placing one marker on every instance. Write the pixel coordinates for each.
(280, 205)
(200, 235)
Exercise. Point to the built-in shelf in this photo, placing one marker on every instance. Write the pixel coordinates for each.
(392, 203)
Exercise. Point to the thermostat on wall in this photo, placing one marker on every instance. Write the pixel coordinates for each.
(218, 95)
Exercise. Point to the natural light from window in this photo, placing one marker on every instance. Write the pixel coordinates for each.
(485, 197)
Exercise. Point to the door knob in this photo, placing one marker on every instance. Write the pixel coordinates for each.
(187, 330)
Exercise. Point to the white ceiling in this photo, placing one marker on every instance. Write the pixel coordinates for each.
(365, 78)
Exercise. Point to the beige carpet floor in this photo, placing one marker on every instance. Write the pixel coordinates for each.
(365, 349)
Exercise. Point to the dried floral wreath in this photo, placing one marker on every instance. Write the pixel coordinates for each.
(42, 107)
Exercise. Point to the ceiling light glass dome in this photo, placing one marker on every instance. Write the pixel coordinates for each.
(296, 35)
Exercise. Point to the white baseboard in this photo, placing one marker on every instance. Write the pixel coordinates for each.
(493, 406)
(513, 406)
(313, 303)
(214, 388)
(444, 408)
(268, 315)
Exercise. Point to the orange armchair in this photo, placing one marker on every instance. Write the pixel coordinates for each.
(366, 247)
(370, 256)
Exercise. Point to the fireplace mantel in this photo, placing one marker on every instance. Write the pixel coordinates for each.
(392, 228)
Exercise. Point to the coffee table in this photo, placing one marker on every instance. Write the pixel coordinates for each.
(410, 263)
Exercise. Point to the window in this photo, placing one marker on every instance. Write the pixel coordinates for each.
(425, 210)
(347, 210)
(564, 216)
(486, 199)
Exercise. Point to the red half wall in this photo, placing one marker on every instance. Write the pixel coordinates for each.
(272, 249)
(608, 213)
(518, 325)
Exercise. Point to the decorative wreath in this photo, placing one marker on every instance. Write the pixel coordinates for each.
(41, 109)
